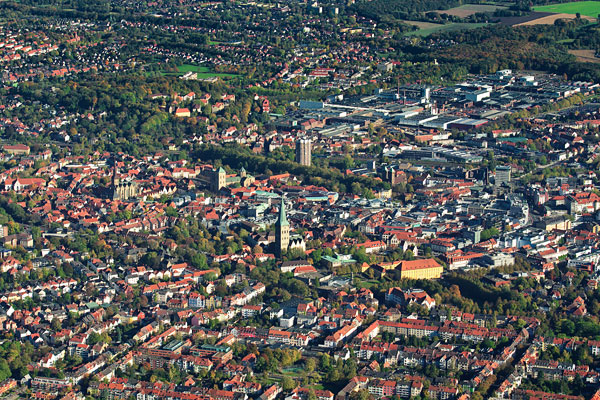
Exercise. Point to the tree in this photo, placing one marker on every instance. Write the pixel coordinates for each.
(4, 370)
(55, 324)
(362, 394)
(324, 362)
(310, 364)
(143, 301)
(94, 338)
(288, 383)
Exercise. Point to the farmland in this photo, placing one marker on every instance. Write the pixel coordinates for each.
(551, 19)
(588, 8)
(539, 18)
(428, 28)
(470, 9)
(585, 56)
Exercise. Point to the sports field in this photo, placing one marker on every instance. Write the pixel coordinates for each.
(201, 71)
(589, 8)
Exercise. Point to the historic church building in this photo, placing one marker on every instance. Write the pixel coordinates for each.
(122, 190)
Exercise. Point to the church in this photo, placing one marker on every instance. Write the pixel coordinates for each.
(122, 190)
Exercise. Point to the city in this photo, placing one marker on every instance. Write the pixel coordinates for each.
(299, 201)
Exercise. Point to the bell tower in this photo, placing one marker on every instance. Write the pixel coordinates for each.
(282, 230)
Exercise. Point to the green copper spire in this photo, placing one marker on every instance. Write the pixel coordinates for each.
(282, 221)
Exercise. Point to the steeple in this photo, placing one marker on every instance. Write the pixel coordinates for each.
(282, 220)
(115, 174)
(282, 230)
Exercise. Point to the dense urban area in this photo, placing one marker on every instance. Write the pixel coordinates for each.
(299, 200)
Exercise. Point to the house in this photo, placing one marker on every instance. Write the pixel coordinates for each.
(406, 297)
(271, 392)
(16, 149)
(182, 112)
(249, 311)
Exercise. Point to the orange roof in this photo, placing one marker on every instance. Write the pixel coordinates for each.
(419, 264)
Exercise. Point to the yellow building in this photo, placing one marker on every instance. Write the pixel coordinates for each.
(387, 266)
(560, 223)
(421, 269)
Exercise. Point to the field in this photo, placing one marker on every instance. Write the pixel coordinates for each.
(512, 21)
(202, 72)
(422, 25)
(469, 9)
(191, 68)
(428, 28)
(585, 56)
(588, 8)
(550, 19)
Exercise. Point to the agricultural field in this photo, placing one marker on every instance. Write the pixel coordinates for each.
(429, 28)
(551, 19)
(422, 24)
(467, 10)
(587, 8)
(585, 56)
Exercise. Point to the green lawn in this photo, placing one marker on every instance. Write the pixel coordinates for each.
(202, 75)
(366, 283)
(444, 28)
(203, 72)
(192, 68)
(292, 370)
(589, 8)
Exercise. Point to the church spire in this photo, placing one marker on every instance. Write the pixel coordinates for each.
(115, 174)
(282, 230)
(282, 221)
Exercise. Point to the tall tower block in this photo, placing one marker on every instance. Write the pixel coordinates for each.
(303, 152)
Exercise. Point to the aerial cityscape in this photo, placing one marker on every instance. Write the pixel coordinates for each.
(299, 200)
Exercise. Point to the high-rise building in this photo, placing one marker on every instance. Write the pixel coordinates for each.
(282, 230)
(502, 175)
(303, 151)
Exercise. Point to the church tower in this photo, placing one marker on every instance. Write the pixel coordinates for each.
(282, 230)
(115, 183)
(115, 175)
(122, 190)
(218, 179)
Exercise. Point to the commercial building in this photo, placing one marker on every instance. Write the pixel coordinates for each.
(503, 175)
